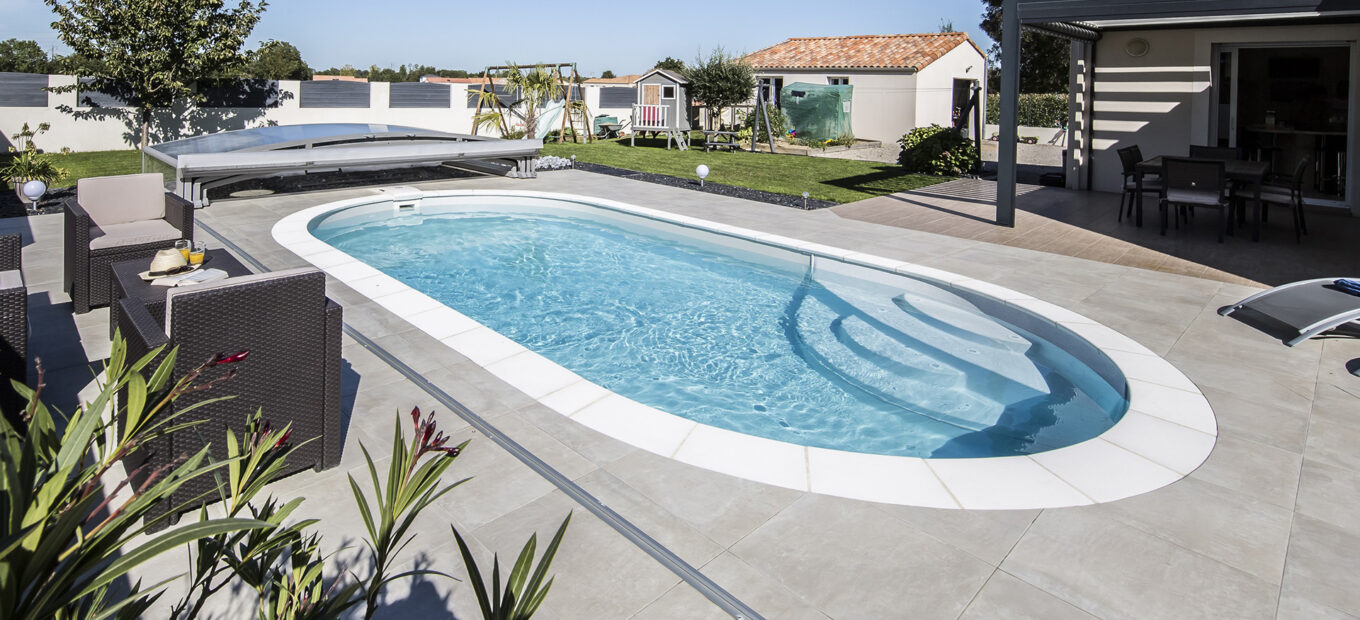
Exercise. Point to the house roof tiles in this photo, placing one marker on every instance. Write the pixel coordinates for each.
(875, 51)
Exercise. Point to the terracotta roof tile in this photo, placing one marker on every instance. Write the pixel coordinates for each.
(621, 79)
(886, 51)
(322, 77)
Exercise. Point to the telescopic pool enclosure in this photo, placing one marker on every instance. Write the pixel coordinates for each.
(203, 162)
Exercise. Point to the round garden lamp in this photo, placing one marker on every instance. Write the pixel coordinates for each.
(34, 190)
(702, 171)
(805, 197)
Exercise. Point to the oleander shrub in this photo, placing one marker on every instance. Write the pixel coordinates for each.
(1035, 109)
(938, 150)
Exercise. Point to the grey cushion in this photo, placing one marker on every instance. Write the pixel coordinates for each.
(11, 279)
(1184, 196)
(131, 233)
(122, 199)
(227, 283)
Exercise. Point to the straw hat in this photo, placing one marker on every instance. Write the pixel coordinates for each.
(167, 260)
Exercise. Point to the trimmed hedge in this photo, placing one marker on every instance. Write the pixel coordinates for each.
(938, 150)
(1036, 109)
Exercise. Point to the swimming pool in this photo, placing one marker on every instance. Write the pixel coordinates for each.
(648, 326)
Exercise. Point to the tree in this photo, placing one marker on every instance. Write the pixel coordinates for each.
(607, 74)
(278, 60)
(1043, 58)
(947, 25)
(150, 52)
(533, 88)
(22, 57)
(670, 64)
(720, 81)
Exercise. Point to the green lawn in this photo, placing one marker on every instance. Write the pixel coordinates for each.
(836, 180)
(96, 164)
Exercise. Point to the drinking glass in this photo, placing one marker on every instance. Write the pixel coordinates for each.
(196, 255)
(183, 245)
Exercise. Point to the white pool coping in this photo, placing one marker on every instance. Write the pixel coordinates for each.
(1167, 432)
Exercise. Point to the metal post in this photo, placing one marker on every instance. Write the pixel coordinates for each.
(1010, 103)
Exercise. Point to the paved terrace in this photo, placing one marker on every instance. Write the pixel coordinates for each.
(1265, 528)
(1086, 225)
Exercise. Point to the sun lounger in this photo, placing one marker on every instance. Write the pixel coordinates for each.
(1309, 307)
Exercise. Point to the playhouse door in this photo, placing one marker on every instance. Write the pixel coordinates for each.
(651, 94)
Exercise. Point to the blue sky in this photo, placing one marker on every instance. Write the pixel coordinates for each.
(626, 37)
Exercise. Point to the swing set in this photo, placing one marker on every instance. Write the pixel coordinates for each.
(573, 108)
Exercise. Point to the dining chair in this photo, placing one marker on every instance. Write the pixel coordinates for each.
(1195, 183)
(1289, 193)
(1129, 157)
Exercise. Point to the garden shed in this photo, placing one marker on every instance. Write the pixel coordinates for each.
(662, 107)
(900, 81)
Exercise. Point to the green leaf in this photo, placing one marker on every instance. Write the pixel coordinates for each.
(474, 574)
(165, 542)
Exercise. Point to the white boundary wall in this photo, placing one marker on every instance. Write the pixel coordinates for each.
(101, 129)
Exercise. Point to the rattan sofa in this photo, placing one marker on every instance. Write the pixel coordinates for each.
(118, 218)
(292, 373)
(13, 323)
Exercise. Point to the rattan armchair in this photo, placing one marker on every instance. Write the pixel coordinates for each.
(292, 372)
(118, 218)
(13, 323)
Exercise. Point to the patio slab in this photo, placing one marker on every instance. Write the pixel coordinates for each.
(1234, 539)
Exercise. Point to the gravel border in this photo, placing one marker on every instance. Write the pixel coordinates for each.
(782, 200)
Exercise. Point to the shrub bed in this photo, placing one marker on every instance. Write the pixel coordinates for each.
(938, 150)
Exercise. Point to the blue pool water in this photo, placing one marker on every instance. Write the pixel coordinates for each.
(749, 341)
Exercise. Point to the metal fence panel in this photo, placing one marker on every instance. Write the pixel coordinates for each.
(23, 90)
(419, 95)
(617, 97)
(333, 94)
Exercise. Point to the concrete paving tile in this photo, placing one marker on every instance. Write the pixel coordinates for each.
(499, 481)
(1323, 563)
(1112, 570)
(599, 448)
(671, 531)
(1279, 420)
(757, 590)
(987, 534)
(1293, 607)
(1256, 470)
(592, 554)
(889, 555)
(1229, 527)
(722, 507)
(1008, 598)
(1331, 494)
(1336, 405)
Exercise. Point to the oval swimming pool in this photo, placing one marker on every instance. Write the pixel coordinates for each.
(745, 337)
(769, 358)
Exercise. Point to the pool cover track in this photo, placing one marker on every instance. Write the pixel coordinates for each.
(1167, 432)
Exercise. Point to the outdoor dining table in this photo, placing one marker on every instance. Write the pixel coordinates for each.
(1240, 171)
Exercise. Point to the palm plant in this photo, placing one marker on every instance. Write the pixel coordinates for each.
(65, 540)
(522, 593)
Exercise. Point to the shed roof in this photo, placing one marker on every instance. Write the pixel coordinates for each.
(874, 51)
(671, 75)
(621, 79)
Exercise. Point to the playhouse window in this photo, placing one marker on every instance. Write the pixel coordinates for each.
(667, 92)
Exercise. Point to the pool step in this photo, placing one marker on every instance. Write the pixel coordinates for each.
(932, 359)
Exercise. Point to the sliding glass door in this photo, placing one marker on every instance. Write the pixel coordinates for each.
(1284, 104)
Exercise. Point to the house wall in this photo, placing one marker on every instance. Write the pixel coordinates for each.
(935, 85)
(1161, 101)
(887, 104)
(102, 129)
(882, 105)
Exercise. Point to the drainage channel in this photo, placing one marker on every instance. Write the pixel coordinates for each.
(682, 569)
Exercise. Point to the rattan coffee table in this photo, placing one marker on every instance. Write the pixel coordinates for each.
(127, 283)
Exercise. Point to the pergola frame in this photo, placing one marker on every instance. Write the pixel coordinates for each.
(1083, 21)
